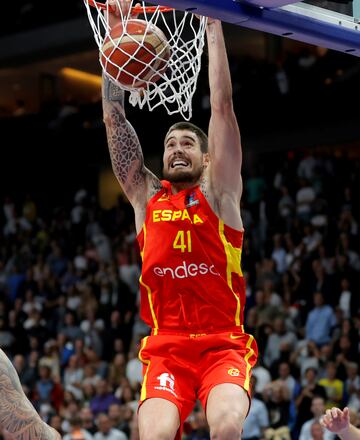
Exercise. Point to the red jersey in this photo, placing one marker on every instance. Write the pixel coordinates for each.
(191, 276)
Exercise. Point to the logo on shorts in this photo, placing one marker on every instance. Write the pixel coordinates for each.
(167, 383)
(233, 372)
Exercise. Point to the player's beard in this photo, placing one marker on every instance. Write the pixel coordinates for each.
(183, 176)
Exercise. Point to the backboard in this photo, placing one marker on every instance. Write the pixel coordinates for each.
(331, 24)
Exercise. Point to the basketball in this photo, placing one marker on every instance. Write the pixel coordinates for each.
(135, 53)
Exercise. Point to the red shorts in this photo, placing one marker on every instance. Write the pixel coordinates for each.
(182, 368)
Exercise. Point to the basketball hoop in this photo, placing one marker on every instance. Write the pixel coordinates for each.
(173, 87)
(134, 9)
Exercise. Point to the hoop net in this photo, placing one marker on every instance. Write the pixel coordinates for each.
(185, 34)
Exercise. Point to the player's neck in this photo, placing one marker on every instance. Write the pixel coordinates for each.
(176, 187)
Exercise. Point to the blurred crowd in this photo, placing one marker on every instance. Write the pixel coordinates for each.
(69, 303)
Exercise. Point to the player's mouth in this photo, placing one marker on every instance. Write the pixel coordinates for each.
(179, 163)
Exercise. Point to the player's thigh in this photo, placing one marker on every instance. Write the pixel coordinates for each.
(158, 419)
(227, 402)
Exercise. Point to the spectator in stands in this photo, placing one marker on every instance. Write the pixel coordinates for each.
(56, 423)
(317, 408)
(264, 311)
(334, 387)
(262, 377)
(304, 199)
(284, 374)
(44, 385)
(117, 369)
(105, 430)
(71, 329)
(305, 356)
(316, 432)
(286, 208)
(279, 344)
(120, 417)
(76, 432)
(103, 398)
(258, 418)
(6, 337)
(304, 396)
(134, 369)
(345, 353)
(277, 399)
(73, 376)
(320, 321)
(352, 386)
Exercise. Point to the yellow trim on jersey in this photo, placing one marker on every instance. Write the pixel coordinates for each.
(143, 249)
(233, 260)
(147, 363)
(248, 365)
(156, 326)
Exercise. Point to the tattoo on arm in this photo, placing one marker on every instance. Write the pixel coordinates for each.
(111, 92)
(17, 415)
(154, 186)
(124, 146)
(125, 151)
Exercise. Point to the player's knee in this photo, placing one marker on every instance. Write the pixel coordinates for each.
(227, 427)
(157, 433)
(156, 436)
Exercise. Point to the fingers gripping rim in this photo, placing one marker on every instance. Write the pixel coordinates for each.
(134, 9)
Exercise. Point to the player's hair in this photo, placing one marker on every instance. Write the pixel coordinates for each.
(191, 127)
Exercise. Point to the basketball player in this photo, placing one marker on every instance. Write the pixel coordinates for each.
(190, 234)
(338, 421)
(18, 418)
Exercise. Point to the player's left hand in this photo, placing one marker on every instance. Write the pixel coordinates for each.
(336, 420)
(209, 19)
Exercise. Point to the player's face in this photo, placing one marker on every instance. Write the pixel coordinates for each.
(183, 159)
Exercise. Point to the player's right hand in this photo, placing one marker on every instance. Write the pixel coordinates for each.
(119, 10)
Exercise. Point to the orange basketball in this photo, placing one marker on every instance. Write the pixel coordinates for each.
(136, 53)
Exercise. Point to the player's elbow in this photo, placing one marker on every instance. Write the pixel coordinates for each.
(222, 105)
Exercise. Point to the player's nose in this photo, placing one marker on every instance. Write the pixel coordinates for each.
(178, 149)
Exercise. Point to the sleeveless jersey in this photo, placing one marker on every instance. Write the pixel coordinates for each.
(191, 276)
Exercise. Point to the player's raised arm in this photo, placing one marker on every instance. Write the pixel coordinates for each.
(224, 135)
(137, 182)
(18, 418)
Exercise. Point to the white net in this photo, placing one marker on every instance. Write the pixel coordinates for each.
(166, 76)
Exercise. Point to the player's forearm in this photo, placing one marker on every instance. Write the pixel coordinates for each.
(17, 416)
(113, 97)
(350, 433)
(219, 72)
(124, 146)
